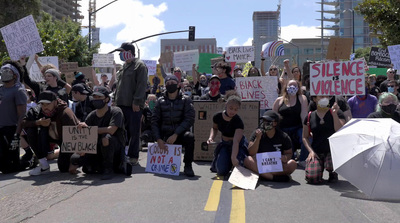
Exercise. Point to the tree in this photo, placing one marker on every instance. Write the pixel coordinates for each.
(383, 18)
(363, 52)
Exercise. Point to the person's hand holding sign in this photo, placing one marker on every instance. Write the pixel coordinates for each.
(172, 139)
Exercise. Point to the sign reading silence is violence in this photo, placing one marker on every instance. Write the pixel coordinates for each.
(337, 78)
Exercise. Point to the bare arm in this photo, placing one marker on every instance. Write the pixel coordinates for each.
(113, 76)
(21, 110)
(288, 70)
(95, 81)
(262, 66)
(304, 107)
(253, 146)
(213, 133)
(235, 146)
(277, 103)
(194, 74)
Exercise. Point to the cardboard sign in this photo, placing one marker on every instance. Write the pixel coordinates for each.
(167, 57)
(379, 57)
(164, 162)
(339, 48)
(186, 59)
(34, 71)
(337, 78)
(269, 162)
(249, 113)
(151, 67)
(22, 38)
(103, 60)
(394, 52)
(239, 54)
(262, 89)
(82, 140)
(243, 178)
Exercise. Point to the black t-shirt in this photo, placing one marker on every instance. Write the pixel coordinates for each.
(396, 116)
(60, 92)
(228, 128)
(290, 115)
(83, 108)
(341, 101)
(113, 117)
(146, 124)
(321, 132)
(279, 142)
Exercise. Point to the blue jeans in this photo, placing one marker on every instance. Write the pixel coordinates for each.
(132, 126)
(296, 135)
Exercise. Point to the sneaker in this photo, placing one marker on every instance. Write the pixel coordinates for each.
(127, 167)
(133, 161)
(33, 162)
(38, 171)
(188, 171)
(333, 177)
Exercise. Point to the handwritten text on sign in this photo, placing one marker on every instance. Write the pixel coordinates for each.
(77, 140)
(22, 38)
(239, 54)
(164, 161)
(186, 59)
(34, 71)
(151, 67)
(263, 89)
(269, 162)
(394, 52)
(337, 78)
(103, 60)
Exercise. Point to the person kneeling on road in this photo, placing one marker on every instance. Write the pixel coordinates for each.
(270, 139)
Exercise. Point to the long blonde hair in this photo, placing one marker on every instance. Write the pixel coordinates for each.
(285, 95)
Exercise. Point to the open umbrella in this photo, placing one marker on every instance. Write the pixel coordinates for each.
(366, 152)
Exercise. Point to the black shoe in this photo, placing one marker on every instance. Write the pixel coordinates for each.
(188, 171)
(333, 177)
(126, 167)
(27, 156)
(281, 178)
(107, 175)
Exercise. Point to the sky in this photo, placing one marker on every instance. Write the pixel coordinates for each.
(230, 22)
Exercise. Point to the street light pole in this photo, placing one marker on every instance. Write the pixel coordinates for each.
(354, 40)
(90, 21)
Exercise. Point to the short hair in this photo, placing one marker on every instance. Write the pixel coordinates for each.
(383, 97)
(226, 66)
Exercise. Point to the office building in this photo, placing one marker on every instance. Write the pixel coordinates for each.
(63, 8)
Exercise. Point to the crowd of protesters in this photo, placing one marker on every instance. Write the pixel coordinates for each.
(131, 112)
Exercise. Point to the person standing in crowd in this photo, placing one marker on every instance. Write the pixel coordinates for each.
(83, 106)
(237, 71)
(387, 107)
(79, 78)
(52, 76)
(362, 105)
(200, 82)
(269, 138)
(390, 77)
(44, 125)
(342, 103)
(12, 110)
(173, 116)
(393, 87)
(254, 72)
(232, 150)
(104, 78)
(320, 125)
(374, 90)
(130, 96)
(213, 94)
(146, 132)
(223, 70)
(273, 72)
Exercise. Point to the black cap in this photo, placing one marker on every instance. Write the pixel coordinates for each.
(80, 88)
(171, 77)
(101, 91)
(270, 115)
(126, 46)
(214, 76)
(47, 97)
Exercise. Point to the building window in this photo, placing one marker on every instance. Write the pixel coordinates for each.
(308, 51)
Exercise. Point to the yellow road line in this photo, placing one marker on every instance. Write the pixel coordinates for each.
(214, 195)
(238, 209)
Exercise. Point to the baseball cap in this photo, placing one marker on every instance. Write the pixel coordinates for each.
(270, 115)
(100, 91)
(126, 46)
(214, 76)
(171, 77)
(80, 88)
(47, 97)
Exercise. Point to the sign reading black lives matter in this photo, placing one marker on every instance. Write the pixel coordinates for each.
(379, 57)
(22, 38)
(79, 140)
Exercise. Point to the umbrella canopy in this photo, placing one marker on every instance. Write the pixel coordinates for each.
(366, 152)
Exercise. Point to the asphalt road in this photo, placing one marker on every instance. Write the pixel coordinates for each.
(147, 197)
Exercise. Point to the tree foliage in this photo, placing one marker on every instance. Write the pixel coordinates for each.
(383, 17)
(363, 52)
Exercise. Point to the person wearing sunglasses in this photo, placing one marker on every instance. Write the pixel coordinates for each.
(393, 87)
(390, 77)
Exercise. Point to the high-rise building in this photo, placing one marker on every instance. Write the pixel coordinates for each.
(63, 8)
(265, 29)
(339, 17)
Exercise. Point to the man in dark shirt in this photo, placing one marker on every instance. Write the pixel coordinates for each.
(83, 106)
(270, 139)
(213, 94)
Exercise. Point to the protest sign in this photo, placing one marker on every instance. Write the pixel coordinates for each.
(246, 69)
(249, 112)
(151, 66)
(394, 52)
(22, 38)
(34, 71)
(262, 89)
(339, 48)
(164, 162)
(83, 140)
(103, 60)
(98, 76)
(269, 162)
(379, 57)
(186, 59)
(205, 62)
(273, 49)
(337, 78)
(239, 54)
(243, 178)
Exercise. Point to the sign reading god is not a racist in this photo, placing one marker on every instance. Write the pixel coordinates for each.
(337, 78)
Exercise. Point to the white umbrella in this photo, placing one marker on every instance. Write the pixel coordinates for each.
(366, 152)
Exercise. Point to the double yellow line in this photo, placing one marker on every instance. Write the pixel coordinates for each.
(238, 207)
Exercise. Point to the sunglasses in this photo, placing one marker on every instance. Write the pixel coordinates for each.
(272, 69)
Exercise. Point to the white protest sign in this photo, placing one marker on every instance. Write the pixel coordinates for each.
(164, 162)
(337, 78)
(151, 67)
(243, 178)
(77, 140)
(186, 59)
(263, 89)
(22, 38)
(103, 60)
(34, 71)
(394, 52)
(239, 54)
(269, 162)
